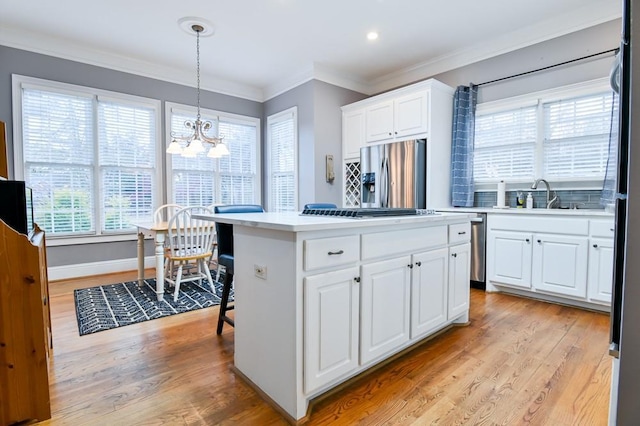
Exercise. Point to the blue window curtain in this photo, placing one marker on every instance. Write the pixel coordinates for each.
(464, 113)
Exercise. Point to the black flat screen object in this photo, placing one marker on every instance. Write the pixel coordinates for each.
(16, 206)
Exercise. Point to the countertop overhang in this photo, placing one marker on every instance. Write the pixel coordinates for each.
(294, 222)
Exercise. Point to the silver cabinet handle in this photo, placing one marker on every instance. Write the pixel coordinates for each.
(334, 253)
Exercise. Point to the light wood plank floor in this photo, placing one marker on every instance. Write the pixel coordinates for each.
(519, 362)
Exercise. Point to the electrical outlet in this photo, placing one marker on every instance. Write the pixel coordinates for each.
(260, 271)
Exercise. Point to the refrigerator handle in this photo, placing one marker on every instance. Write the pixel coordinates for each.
(384, 180)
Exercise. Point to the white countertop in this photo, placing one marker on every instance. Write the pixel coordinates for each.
(294, 222)
(511, 210)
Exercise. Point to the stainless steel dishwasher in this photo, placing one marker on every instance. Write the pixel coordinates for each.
(478, 251)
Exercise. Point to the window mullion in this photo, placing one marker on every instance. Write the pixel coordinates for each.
(538, 169)
(97, 185)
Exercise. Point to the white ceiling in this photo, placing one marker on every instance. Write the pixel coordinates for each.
(263, 47)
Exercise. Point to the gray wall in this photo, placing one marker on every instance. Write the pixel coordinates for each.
(14, 61)
(319, 134)
(582, 43)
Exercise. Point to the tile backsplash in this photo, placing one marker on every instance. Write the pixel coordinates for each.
(585, 199)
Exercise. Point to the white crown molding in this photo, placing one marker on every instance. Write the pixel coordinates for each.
(66, 49)
(292, 81)
(525, 37)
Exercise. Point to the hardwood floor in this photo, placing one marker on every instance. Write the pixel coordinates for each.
(519, 362)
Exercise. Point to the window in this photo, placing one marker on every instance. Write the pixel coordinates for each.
(232, 179)
(282, 139)
(560, 135)
(89, 156)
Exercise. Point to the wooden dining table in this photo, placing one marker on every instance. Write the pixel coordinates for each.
(159, 231)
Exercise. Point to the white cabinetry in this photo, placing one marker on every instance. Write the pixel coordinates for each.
(344, 292)
(459, 285)
(600, 261)
(331, 321)
(560, 264)
(399, 118)
(429, 279)
(567, 258)
(420, 111)
(385, 290)
(509, 258)
(352, 133)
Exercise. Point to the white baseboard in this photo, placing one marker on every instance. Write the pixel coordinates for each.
(96, 268)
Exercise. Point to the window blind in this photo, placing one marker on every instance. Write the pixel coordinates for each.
(504, 146)
(87, 181)
(282, 164)
(576, 136)
(231, 179)
(58, 150)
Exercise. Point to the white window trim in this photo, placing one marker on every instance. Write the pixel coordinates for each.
(19, 82)
(172, 107)
(538, 99)
(274, 118)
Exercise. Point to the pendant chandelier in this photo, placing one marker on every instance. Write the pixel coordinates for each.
(198, 128)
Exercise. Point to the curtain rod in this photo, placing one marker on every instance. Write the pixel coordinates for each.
(548, 67)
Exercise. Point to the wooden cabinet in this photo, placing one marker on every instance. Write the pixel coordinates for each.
(25, 327)
(331, 321)
(559, 264)
(352, 133)
(4, 167)
(459, 285)
(385, 307)
(509, 258)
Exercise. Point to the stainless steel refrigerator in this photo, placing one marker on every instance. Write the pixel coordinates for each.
(625, 308)
(394, 175)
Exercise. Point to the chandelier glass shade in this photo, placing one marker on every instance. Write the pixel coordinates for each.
(197, 137)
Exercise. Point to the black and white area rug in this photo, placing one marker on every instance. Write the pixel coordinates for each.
(116, 305)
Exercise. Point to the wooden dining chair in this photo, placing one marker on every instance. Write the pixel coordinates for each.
(224, 233)
(190, 244)
(165, 212)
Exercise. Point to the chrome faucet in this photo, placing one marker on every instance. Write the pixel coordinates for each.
(550, 201)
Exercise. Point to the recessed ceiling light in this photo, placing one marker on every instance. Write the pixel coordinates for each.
(372, 35)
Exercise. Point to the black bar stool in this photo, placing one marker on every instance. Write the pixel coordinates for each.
(224, 233)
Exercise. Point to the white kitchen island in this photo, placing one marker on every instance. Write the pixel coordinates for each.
(321, 299)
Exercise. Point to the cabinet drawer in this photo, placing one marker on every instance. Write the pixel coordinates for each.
(601, 228)
(386, 244)
(327, 252)
(459, 233)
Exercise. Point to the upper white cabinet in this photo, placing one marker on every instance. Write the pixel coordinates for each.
(420, 111)
(398, 119)
(353, 132)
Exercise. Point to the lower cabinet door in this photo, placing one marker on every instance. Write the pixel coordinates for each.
(560, 264)
(331, 314)
(600, 279)
(429, 291)
(459, 284)
(509, 258)
(385, 305)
